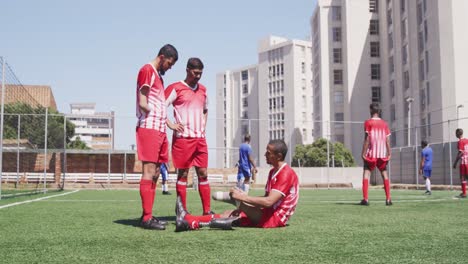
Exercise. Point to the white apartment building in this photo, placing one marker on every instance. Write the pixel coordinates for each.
(409, 55)
(270, 100)
(94, 128)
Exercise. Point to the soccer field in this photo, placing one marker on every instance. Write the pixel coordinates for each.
(328, 227)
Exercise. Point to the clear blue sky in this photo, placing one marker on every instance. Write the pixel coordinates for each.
(91, 51)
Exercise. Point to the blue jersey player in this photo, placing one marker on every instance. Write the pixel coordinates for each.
(425, 169)
(246, 165)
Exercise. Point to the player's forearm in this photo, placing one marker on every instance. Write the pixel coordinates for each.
(263, 202)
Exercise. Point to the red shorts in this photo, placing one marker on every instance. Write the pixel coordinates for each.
(371, 163)
(188, 152)
(463, 169)
(152, 145)
(268, 220)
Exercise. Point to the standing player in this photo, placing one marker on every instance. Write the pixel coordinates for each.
(189, 148)
(375, 152)
(152, 144)
(164, 175)
(246, 165)
(463, 156)
(269, 211)
(425, 169)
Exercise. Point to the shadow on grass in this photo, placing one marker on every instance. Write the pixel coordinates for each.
(135, 222)
(351, 203)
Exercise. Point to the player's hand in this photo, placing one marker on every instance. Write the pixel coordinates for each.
(420, 172)
(176, 127)
(235, 213)
(236, 193)
(454, 166)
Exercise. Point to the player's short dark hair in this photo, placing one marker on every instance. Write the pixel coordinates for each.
(279, 146)
(195, 63)
(169, 51)
(459, 132)
(375, 108)
(247, 137)
(424, 143)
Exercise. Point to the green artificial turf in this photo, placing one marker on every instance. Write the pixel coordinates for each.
(328, 227)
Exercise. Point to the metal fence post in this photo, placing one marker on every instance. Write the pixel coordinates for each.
(64, 170)
(1, 124)
(45, 150)
(416, 165)
(17, 150)
(450, 159)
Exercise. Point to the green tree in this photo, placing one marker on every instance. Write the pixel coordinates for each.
(315, 155)
(77, 144)
(32, 122)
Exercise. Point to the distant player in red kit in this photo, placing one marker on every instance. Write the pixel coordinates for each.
(189, 148)
(376, 152)
(152, 144)
(463, 156)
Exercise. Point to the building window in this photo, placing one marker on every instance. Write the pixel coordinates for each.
(428, 93)
(404, 54)
(427, 61)
(245, 88)
(337, 57)
(304, 101)
(389, 17)
(374, 27)
(336, 13)
(390, 40)
(339, 97)
(421, 70)
(339, 120)
(245, 115)
(429, 125)
(406, 80)
(419, 13)
(282, 68)
(402, 6)
(245, 102)
(422, 99)
(403, 29)
(391, 66)
(303, 67)
(338, 76)
(245, 75)
(282, 102)
(373, 6)
(392, 88)
(374, 49)
(375, 71)
(392, 113)
(376, 97)
(337, 34)
(420, 41)
(425, 31)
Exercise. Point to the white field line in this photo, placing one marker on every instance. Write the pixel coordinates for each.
(38, 199)
(377, 200)
(89, 201)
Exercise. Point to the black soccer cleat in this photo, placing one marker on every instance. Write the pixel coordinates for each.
(154, 218)
(182, 225)
(223, 223)
(364, 202)
(388, 202)
(461, 195)
(166, 193)
(153, 225)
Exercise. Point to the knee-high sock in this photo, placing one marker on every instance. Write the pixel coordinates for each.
(147, 199)
(387, 189)
(365, 189)
(463, 185)
(428, 184)
(205, 193)
(181, 189)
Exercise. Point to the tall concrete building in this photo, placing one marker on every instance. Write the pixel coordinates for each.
(94, 128)
(409, 55)
(270, 100)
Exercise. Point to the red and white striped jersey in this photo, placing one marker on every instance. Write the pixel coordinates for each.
(285, 181)
(189, 107)
(156, 118)
(377, 130)
(463, 148)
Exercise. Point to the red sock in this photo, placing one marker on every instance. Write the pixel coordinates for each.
(194, 220)
(365, 189)
(205, 193)
(463, 185)
(181, 189)
(387, 189)
(146, 199)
